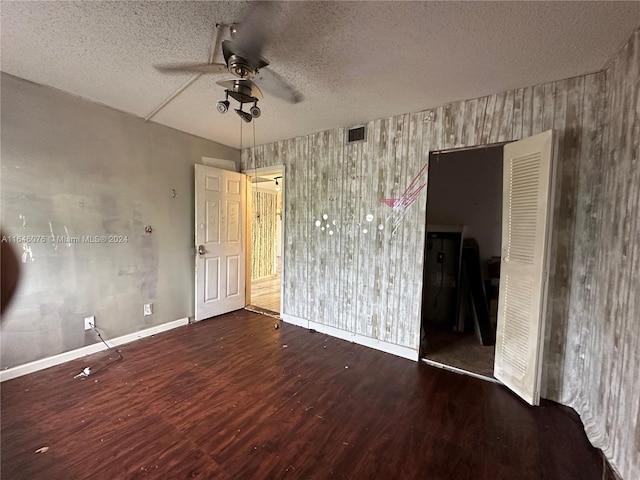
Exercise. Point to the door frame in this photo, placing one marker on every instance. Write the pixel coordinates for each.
(250, 173)
(433, 154)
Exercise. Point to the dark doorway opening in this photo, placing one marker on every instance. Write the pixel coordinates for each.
(462, 251)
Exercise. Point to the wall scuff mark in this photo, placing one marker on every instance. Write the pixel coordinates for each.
(27, 254)
(53, 237)
(68, 237)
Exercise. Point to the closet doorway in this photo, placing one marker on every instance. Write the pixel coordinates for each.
(462, 259)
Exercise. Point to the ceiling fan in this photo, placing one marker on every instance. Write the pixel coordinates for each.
(243, 59)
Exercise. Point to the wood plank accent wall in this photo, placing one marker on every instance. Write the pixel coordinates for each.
(371, 283)
(603, 380)
(374, 279)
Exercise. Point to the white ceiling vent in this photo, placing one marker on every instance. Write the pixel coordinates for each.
(357, 134)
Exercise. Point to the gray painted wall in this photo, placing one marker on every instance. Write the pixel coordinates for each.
(371, 284)
(69, 165)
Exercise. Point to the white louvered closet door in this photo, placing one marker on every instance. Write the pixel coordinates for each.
(527, 200)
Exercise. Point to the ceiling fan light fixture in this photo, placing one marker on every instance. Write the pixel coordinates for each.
(243, 59)
(244, 115)
(223, 106)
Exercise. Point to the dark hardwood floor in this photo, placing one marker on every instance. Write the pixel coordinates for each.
(234, 398)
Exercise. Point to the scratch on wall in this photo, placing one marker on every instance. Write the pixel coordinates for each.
(401, 204)
(53, 237)
(27, 253)
(68, 237)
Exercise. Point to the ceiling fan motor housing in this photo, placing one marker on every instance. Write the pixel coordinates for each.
(242, 92)
(240, 67)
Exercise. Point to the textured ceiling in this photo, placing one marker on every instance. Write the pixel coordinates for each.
(352, 61)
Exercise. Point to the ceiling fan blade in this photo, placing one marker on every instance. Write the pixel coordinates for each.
(193, 68)
(252, 34)
(274, 84)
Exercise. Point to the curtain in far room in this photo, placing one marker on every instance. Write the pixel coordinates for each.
(263, 234)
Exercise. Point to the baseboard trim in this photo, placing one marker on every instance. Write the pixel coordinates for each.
(392, 348)
(609, 472)
(41, 364)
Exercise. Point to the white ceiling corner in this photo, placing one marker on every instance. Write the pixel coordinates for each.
(352, 61)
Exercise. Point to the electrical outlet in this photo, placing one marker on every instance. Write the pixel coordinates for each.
(89, 322)
(148, 309)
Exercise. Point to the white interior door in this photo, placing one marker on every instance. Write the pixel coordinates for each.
(220, 208)
(527, 199)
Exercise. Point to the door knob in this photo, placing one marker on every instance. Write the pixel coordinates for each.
(201, 250)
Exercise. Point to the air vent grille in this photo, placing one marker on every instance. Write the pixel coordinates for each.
(356, 134)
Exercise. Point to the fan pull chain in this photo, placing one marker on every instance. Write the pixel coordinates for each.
(255, 167)
(240, 138)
